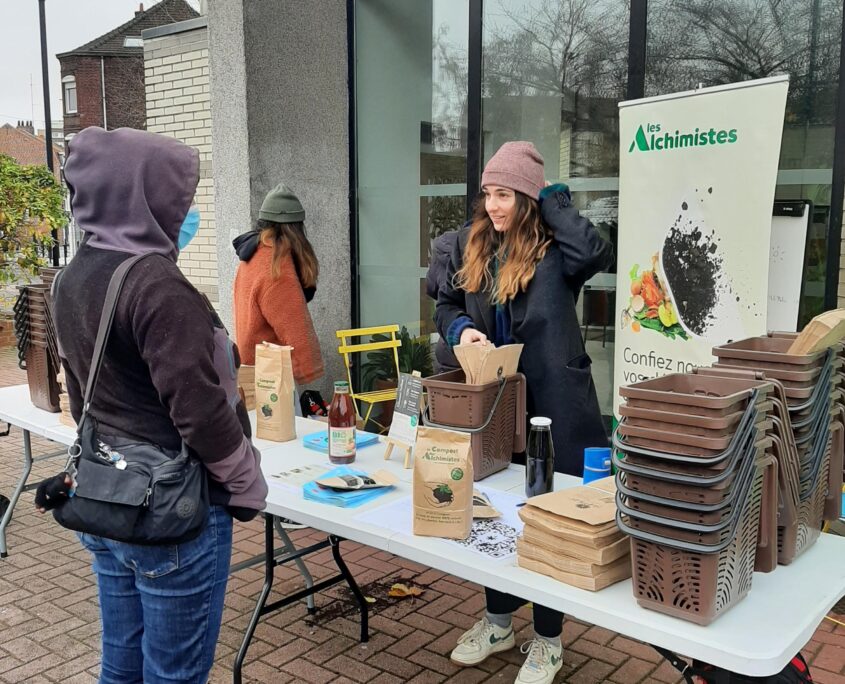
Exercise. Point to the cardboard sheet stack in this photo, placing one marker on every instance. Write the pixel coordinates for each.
(65, 417)
(246, 382)
(571, 535)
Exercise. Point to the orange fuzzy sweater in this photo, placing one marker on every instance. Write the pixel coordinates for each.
(274, 310)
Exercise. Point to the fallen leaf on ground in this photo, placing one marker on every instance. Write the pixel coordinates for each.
(403, 591)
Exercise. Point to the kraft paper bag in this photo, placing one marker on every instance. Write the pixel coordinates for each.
(442, 490)
(274, 393)
(481, 363)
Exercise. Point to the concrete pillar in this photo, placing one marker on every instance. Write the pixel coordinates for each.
(280, 114)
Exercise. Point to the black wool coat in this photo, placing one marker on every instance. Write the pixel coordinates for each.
(543, 318)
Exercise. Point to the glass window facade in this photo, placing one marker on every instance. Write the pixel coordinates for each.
(725, 41)
(411, 121)
(553, 72)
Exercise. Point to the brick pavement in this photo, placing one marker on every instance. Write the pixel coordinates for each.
(49, 628)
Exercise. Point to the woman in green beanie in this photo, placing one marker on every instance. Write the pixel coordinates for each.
(276, 278)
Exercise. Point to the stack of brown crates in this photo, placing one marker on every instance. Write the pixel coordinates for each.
(572, 536)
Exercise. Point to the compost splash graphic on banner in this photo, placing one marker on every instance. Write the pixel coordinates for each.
(697, 175)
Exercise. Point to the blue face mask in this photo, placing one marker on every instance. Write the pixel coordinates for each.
(189, 228)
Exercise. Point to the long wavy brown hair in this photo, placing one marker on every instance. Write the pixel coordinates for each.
(290, 238)
(518, 249)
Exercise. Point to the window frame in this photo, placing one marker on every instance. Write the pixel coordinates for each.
(69, 83)
(637, 67)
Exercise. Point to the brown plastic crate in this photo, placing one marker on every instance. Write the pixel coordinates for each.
(833, 500)
(693, 390)
(48, 274)
(691, 422)
(682, 512)
(794, 539)
(698, 587)
(766, 557)
(456, 405)
(675, 447)
(41, 378)
(767, 349)
(712, 495)
(779, 371)
(672, 439)
(685, 475)
(791, 379)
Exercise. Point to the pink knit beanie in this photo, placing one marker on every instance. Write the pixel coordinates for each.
(518, 166)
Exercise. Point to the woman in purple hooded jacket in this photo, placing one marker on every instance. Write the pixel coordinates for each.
(168, 377)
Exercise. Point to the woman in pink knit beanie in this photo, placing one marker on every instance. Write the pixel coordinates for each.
(514, 277)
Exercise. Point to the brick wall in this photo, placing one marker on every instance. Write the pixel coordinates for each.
(179, 104)
(125, 100)
(125, 96)
(89, 96)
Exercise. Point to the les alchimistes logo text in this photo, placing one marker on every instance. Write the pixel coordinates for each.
(650, 137)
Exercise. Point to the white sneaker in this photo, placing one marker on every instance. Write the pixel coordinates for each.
(542, 664)
(482, 640)
(288, 524)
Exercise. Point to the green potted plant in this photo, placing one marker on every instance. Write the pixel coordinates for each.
(378, 371)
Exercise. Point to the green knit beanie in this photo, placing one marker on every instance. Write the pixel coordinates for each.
(281, 206)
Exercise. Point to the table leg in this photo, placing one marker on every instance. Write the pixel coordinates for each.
(27, 468)
(353, 585)
(269, 574)
(289, 547)
(273, 559)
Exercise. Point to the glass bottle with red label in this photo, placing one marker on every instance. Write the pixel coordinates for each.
(342, 419)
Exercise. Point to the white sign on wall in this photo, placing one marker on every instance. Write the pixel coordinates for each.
(790, 224)
(697, 177)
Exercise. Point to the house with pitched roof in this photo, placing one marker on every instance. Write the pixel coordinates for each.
(103, 80)
(21, 144)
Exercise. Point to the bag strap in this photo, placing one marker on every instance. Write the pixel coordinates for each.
(106, 320)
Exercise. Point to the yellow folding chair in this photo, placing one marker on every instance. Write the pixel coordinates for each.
(348, 347)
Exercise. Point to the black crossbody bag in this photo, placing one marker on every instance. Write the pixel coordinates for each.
(125, 489)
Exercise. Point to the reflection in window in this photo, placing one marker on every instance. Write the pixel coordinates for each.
(725, 41)
(554, 72)
(411, 120)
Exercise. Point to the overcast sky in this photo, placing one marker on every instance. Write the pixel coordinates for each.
(70, 23)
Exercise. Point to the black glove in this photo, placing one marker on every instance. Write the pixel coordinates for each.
(52, 492)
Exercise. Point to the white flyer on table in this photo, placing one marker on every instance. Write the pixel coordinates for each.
(296, 476)
(494, 538)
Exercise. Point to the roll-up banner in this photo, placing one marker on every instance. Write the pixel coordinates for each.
(697, 174)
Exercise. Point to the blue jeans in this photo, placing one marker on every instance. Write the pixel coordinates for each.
(161, 606)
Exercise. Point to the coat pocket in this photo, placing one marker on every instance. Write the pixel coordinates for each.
(580, 362)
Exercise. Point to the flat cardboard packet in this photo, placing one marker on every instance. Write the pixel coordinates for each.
(442, 490)
(540, 538)
(583, 515)
(274, 393)
(611, 574)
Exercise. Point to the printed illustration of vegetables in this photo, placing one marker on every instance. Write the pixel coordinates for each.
(649, 306)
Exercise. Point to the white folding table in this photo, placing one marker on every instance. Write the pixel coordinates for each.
(756, 637)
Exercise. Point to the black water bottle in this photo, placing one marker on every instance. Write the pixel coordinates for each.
(539, 458)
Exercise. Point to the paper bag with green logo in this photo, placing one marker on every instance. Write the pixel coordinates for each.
(274, 393)
(442, 484)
